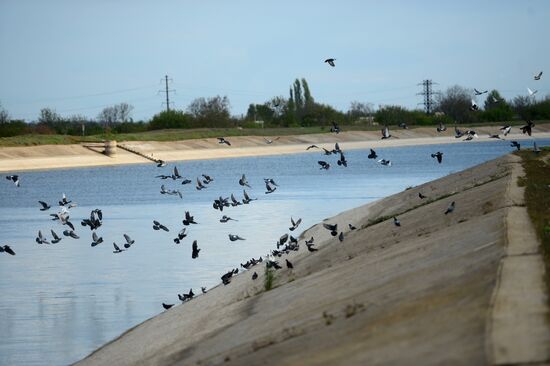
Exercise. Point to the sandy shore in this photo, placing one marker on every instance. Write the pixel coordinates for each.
(15, 159)
(438, 290)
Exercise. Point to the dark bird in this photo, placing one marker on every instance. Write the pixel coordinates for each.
(458, 133)
(324, 165)
(247, 199)
(41, 239)
(234, 202)
(70, 233)
(330, 61)
(199, 185)
(332, 228)
(327, 152)
(270, 181)
(506, 129)
(385, 162)
(233, 237)
(311, 248)
(244, 182)
(441, 127)
(196, 250)
(44, 205)
(439, 156)
(129, 241)
(161, 163)
(254, 276)
(342, 161)
(341, 236)
(269, 188)
(207, 179)
(182, 234)
(64, 201)
(186, 181)
(474, 106)
(272, 264)
(226, 219)
(372, 154)
(7, 249)
(515, 144)
(158, 226)
(385, 133)
(203, 289)
(351, 227)
(396, 221)
(282, 240)
(289, 265)
(294, 224)
(117, 249)
(527, 128)
(14, 179)
(495, 136)
(335, 128)
(312, 147)
(56, 238)
(222, 140)
(188, 219)
(167, 306)
(537, 76)
(477, 92)
(451, 208)
(421, 196)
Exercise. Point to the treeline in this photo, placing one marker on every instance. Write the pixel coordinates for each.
(299, 109)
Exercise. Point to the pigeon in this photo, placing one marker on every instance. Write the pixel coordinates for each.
(538, 76)
(188, 219)
(226, 219)
(506, 129)
(186, 181)
(274, 264)
(129, 241)
(515, 144)
(421, 196)
(158, 226)
(270, 181)
(477, 92)
(531, 93)
(207, 179)
(288, 264)
(70, 233)
(439, 156)
(310, 247)
(247, 199)
(269, 188)
(254, 276)
(385, 133)
(14, 179)
(327, 152)
(282, 240)
(182, 234)
(56, 238)
(458, 133)
(294, 224)
(474, 106)
(495, 136)
(396, 221)
(269, 142)
(330, 61)
(199, 185)
(351, 227)
(441, 127)
(312, 147)
(64, 201)
(161, 163)
(332, 228)
(7, 249)
(385, 162)
(527, 128)
(341, 236)
(222, 140)
(44, 205)
(167, 306)
(243, 182)
(41, 239)
(117, 249)
(403, 125)
(335, 128)
(372, 154)
(176, 174)
(451, 208)
(233, 237)
(324, 165)
(203, 289)
(196, 250)
(342, 161)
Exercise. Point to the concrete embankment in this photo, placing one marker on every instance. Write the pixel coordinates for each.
(435, 291)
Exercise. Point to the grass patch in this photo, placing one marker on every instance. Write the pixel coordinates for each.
(537, 199)
(269, 278)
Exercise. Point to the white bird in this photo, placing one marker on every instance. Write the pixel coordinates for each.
(385, 133)
(506, 129)
(474, 106)
(531, 93)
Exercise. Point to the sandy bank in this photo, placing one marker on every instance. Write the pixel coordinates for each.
(14, 159)
(419, 294)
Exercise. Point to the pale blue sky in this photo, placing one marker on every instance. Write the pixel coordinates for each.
(80, 56)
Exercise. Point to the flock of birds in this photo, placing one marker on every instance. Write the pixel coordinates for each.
(285, 244)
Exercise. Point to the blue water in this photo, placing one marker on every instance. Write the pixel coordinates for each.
(60, 302)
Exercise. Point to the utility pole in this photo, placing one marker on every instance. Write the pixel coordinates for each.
(167, 91)
(428, 95)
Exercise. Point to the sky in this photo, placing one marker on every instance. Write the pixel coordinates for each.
(80, 56)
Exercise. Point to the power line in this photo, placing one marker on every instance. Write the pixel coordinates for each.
(428, 94)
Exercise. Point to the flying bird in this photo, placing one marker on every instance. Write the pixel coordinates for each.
(7, 249)
(515, 144)
(161, 163)
(441, 127)
(333, 228)
(330, 61)
(222, 140)
(188, 219)
(495, 136)
(506, 130)
(117, 249)
(129, 241)
(372, 154)
(233, 237)
(531, 93)
(527, 128)
(477, 92)
(312, 147)
(14, 179)
(342, 160)
(269, 188)
(44, 205)
(71, 233)
(41, 239)
(439, 156)
(226, 219)
(474, 106)
(324, 165)
(158, 226)
(195, 250)
(56, 238)
(243, 182)
(385, 162)
(294, 224)
(537, 76)
(451, 208)
(246, 198)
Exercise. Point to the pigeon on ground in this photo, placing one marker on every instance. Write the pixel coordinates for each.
(396, 221)
(421, 196)
(351, 227)
(441, 127)
(167, 306)
(335, 128)
(254, 276)
(451, 208)
(289, 265)
(269, 142)
(341, 236)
